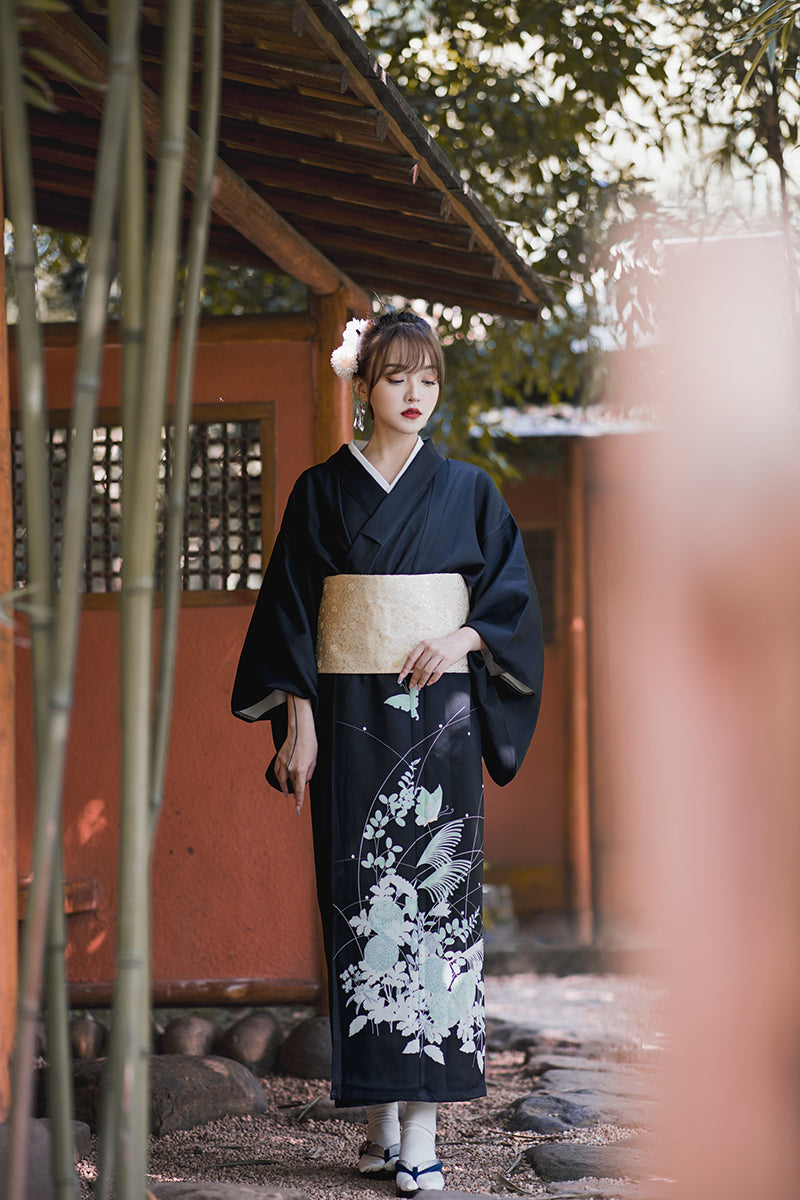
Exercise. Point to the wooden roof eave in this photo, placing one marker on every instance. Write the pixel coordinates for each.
(232, 200)
(370, 82)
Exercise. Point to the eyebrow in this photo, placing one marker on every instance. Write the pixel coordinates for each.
(393, 368)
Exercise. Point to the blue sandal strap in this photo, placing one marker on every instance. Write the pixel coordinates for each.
(376, 1150)
(415, 1172)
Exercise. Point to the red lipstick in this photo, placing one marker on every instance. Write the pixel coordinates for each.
(411, 413)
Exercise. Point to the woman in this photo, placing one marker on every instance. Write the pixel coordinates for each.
(395, 640)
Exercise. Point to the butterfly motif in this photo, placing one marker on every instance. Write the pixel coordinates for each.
(428, 805)
(406, 702)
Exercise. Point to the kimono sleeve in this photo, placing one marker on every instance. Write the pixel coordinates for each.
(507, 678)
(278, 654)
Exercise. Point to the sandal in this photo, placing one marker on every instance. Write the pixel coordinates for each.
(412, 1175)
(375, 1159)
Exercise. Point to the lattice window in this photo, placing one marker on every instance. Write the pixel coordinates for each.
(541, 546)
(222, 534)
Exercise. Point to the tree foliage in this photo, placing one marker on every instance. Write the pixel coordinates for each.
(739, 94)
(528, 101)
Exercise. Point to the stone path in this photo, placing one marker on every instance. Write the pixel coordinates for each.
(593, 1046)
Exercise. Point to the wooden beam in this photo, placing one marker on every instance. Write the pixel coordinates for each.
(578, 803)
(237, 204)
(271, 327)
(377, 163)
(373, 220)
(337, 186)
(205, 992)
(333, 411)
(472, 267)
(8, 836)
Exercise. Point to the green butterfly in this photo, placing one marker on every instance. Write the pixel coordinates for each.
(406, 702)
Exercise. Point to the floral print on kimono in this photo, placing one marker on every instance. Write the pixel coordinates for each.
(418, 970)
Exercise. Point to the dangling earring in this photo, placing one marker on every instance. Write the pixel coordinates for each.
(360, 414)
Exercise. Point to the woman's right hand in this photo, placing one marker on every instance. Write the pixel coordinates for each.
(297, 757)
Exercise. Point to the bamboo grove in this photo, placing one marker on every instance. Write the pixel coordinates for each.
(146, 247)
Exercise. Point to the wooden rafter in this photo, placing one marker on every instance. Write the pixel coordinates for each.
(325, 171)
(248, 213)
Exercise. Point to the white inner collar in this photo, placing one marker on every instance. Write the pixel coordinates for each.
(357, 450)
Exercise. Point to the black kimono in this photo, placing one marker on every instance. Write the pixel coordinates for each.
(397, 796)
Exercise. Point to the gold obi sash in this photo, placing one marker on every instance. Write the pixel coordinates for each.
(368, 623)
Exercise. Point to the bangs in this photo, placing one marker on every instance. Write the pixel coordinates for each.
(409, 350)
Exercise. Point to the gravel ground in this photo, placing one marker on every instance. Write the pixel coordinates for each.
(282, 1149)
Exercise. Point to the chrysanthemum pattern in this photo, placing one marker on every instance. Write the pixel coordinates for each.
(420, 952)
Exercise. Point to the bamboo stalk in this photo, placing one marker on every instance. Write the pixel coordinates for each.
(16, 146)
(59, 1051)
(176, 507)
(9, 966)
(132, 1001)
(58, 692)
(133, 270)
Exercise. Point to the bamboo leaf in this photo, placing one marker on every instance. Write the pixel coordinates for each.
(62, 69)
(514, 1187)
(34, 96)
(751, 71)
(53, 6)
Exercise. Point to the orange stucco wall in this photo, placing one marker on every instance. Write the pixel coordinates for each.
(233, 889)
(233, 893)
(232, 875)
(525, 821)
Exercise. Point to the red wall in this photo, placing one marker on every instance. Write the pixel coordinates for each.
(233, 893)
(525, 821)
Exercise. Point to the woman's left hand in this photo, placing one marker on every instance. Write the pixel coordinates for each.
(429, 659)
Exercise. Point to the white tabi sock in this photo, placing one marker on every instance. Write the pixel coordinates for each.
(418, 1147)
(383, 1124)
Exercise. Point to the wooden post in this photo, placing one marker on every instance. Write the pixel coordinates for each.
(8, 836)
(578, 809)
(333, 420)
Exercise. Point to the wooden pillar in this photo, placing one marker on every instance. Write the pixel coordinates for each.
(578, 808)
(333, 413)
(8, 836)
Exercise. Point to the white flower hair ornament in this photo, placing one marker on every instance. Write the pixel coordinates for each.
(344, 359)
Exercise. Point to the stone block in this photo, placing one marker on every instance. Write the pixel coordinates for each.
(543, 1113)
(631, 1159)
(189, 1034)
(252, 1041)
(306, 1053)
(185, 1091)
(39, 1185)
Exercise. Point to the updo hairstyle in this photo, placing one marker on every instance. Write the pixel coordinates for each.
(397, 342)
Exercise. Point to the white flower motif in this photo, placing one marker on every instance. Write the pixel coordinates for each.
(418, 968)
(344, 359)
